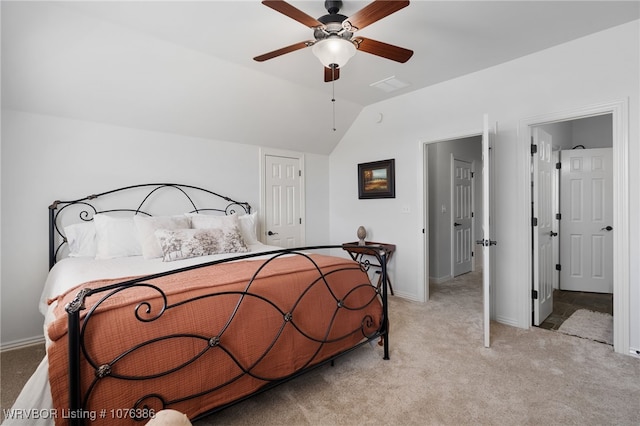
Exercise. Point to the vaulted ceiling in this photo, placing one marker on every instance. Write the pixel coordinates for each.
(186, 67)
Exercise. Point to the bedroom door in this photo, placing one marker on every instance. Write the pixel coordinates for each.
(283, 182)
(545, 256)
(487, 242)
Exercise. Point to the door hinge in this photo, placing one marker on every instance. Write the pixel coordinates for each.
(534, 149)
(558, 216)
(558, 166)
(300, 221)
(558, 267)
(534, 294)
(300, 173)
(534, 221)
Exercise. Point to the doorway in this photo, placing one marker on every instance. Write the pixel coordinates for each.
(454, 193)
(572, 194)
(458, 168)
(484, 200)
(619, 111)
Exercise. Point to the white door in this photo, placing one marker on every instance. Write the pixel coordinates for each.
(555, 208)
(586, 200)
(461, 216)
(283, 221)
(544, 231)
(487, 241)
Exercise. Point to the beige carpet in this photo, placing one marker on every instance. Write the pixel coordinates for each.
(591, 325)
(440, 374)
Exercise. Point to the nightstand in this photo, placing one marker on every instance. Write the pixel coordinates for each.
(357, 253)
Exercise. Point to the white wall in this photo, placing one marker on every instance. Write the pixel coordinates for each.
(581, 73)
(316, 199)
(46, 158)
(595, 132)
(591, 132)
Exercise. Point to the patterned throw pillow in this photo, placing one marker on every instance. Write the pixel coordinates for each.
(186, 243)
(246, 223)
(147, 226)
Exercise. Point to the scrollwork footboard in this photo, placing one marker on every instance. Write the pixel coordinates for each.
(206, 337)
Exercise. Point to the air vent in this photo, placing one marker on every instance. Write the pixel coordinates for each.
(389, 84)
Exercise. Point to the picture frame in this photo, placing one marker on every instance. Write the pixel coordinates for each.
(377, 179)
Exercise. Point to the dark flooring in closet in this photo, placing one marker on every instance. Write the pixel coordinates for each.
(566, 303)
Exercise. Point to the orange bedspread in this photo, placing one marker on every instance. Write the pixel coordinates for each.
(225, 344)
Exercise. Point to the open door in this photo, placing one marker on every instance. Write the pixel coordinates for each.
(544, 231)
(486, 242)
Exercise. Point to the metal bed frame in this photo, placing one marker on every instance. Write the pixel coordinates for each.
(77, 326)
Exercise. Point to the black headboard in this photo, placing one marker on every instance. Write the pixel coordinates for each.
(137, 199)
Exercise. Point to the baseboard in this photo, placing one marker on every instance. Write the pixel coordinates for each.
(507, 321)
(440, 280)
(23, 343)
(407, 296)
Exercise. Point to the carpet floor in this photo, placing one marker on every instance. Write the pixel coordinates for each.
(441, 374)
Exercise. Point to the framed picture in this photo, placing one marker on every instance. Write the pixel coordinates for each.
(377, 179)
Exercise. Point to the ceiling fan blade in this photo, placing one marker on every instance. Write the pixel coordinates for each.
(373, 12)
(293, 13)
(378, 48)
(282, 51)
(331, 74)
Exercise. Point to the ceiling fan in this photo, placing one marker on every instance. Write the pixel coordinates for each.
(334, 40)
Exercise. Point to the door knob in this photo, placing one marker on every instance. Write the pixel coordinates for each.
(272, 233)
(553, 234)
(607, 228)
(456, 224)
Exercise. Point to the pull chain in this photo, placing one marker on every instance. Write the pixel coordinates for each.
(333, 95)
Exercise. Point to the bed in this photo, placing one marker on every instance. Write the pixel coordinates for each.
(186, 309)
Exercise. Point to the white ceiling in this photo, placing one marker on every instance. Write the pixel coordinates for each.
(186, 67)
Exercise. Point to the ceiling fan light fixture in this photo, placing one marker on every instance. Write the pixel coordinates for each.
(334, 51)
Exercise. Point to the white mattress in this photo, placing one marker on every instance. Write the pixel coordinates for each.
(71, 272)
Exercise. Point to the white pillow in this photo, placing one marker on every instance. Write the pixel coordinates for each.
(146, 226)
(81, 238)
(249, 228)
(185, 243)
(207, 221)
(116, 237)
